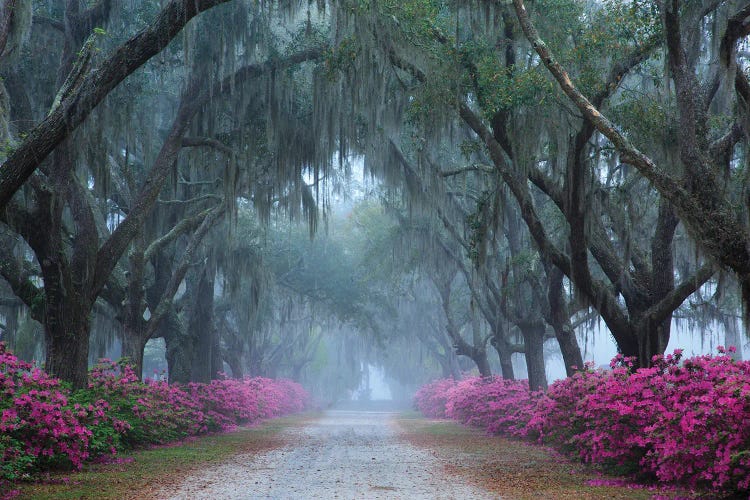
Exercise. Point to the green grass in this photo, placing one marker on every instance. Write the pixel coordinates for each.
(153, 468)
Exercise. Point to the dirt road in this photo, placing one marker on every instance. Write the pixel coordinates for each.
(343, 455)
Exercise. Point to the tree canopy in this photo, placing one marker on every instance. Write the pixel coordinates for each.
(310, 188)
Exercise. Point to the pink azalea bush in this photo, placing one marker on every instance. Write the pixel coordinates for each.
(498, 405)
(552, 419)
(44, 424)
(229, 402)
(226, 403)
(39, 423)
(159, 412)
(704, 434)
(677, 422)
(293, 397)
(155, 411)
(432, 398)
(685, 422)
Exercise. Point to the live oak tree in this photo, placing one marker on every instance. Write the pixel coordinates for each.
(706, 191)
(55, 214)
(58, 211)
(525, 145)
(137, 144)
(484, 240)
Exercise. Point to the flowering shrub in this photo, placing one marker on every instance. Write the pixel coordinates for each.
(43, 423)
(155, 412)
(293, 399)
(687, 423)
(495, 404)
(270, 397)
(553, 419)
(431, 398)
(680, 422)
(38, 422)
(228, 402)
(498, 405)
(704, 434)
(225, 402)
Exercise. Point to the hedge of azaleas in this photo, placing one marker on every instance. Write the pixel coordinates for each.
(43, 424)
(681, 422)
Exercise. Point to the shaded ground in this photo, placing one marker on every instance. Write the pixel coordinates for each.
(344, 454)
(514, 469)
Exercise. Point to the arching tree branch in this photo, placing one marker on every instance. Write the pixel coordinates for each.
(95, 86)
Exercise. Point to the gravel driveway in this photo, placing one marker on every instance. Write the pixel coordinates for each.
(344, 454)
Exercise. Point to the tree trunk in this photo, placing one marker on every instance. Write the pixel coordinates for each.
(506, 363)
(217, 361)
(67, 306)
(571, 351)
(477, 354)
(67, 340)
(480, 352)
(179, 357)
(652, 340)
(134, 329)
(133, 345)
(234, 360)
(533, 338)
(483, 365)
(201, 327)
(559, 320)
(179, 348)
(504, 351)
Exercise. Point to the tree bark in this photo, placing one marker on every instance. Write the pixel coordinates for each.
(504, 352)
(506, 364)
(6, 21)
(234, 360)
(533, 341)
(179, 348)
(67, 338)
(201, 326)
(559, 319)
(133, 345)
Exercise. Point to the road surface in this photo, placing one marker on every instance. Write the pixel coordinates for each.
(343, 455)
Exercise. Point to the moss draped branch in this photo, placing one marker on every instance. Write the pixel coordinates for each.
(193, 99)
(94, 87)
(714, 224)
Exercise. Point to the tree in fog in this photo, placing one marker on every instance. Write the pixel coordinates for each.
(701, 171)
(180, 170)
(72, 213)
(473, 62)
